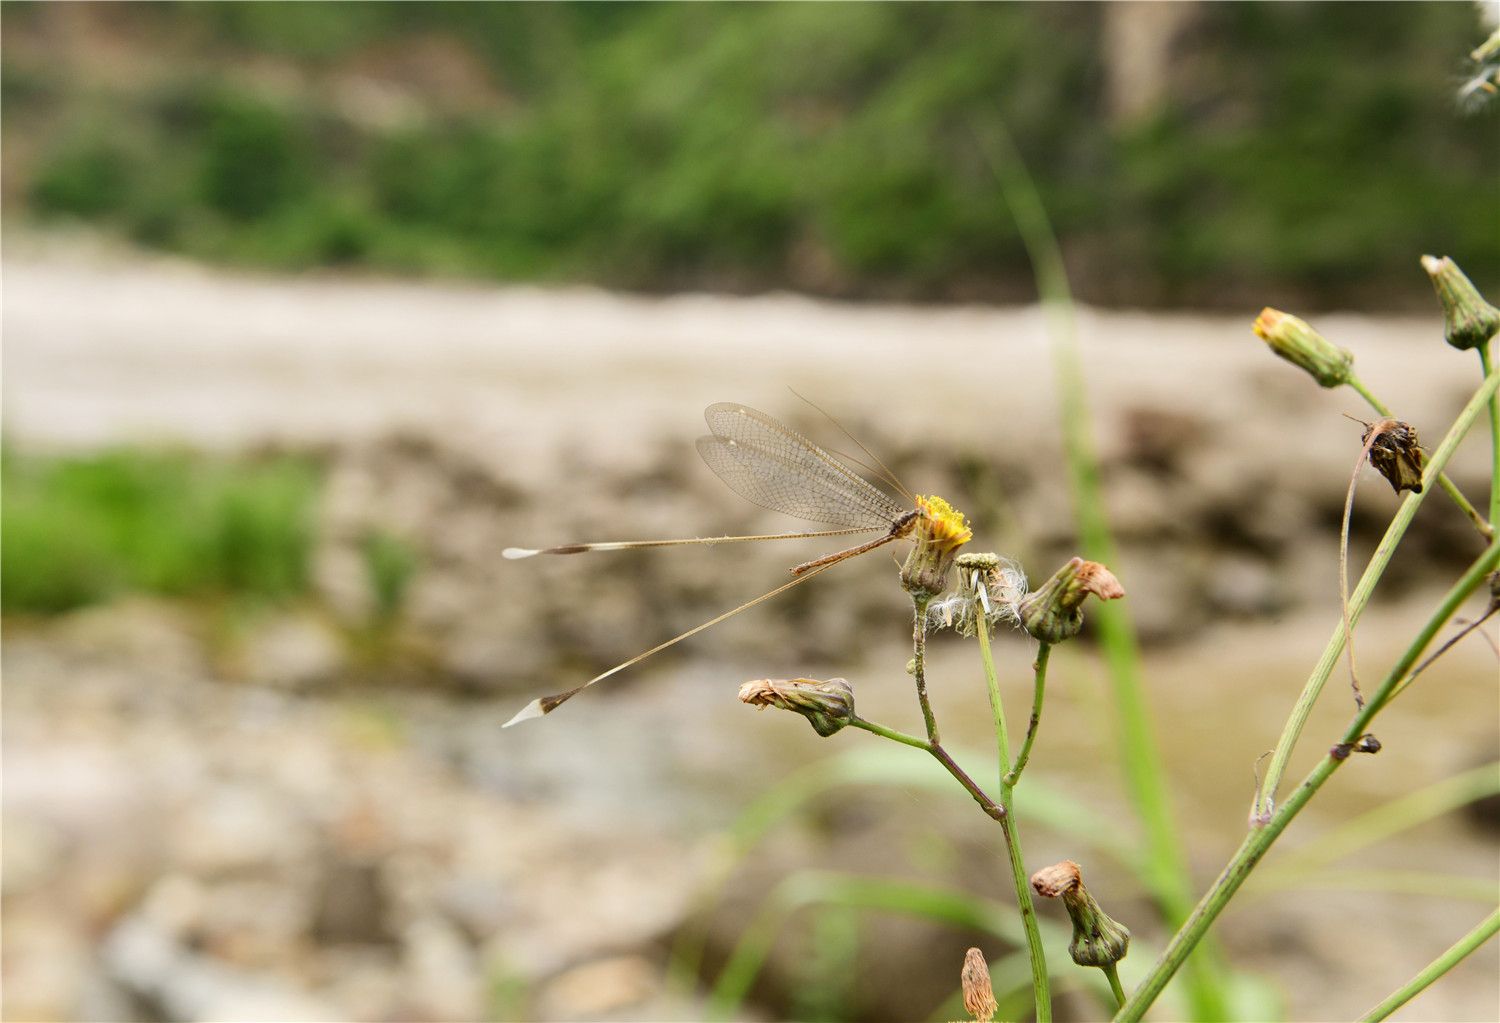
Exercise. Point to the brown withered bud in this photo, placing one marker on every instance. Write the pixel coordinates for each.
(1396, 453)
(827, 704)
(1468, 320)
(1063, 876)
(1097, 940)
(1367, 744)
(1054, 612)
(1296, 342)
(979, 997)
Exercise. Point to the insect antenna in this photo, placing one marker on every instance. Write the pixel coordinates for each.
(884, 471)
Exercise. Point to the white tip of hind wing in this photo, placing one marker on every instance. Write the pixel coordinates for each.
(526, 713)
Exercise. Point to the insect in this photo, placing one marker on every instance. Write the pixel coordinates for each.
(774, 466)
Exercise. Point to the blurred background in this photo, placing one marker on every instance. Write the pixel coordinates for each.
(310, 309)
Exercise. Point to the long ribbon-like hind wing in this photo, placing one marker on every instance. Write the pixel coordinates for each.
(544, 705)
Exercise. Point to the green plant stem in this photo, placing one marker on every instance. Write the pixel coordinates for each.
(1435, 969)
(1166, 866)
(1484, 526)
(981, 797)
(1040, 985)
(919, 665)
(1485, 365)
(1388, 819)
(1265, 800)
(1259, 840)
(1039, 686)
(1113, 974)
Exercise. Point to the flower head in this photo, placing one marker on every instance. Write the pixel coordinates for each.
(989, 587)
(1468, 320)
(828, 705)
(1396, 454)
(1296, 342)
(979, 996)
(939, 532)
(1097, 940)
(1054, 612)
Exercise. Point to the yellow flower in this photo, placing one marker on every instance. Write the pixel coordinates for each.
(939, 533)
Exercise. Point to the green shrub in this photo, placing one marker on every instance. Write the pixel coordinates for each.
(77, 530)
(90, 176)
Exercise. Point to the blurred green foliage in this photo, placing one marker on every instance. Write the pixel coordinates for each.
(80, 529)
(1307, 150)
(390, 564)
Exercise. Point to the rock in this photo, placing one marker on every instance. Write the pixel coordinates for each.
(442, 978)
(292, 651)
(601, 988)
(233, 828)
(352, 906)
(1242, 586)
(177, 984)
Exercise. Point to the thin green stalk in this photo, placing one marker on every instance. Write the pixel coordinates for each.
(1484, 364)
(1039, 686)
(1259, 840)
(1041, 987)
(919, 666)
(1435, 969)
(1114, 982)
(1486, 530)
(1166, 865)
(997, 708)
(988, 805)
(1388, 819)
(1265, 800)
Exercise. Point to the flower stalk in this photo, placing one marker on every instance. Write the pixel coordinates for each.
(1265, 804)
(1098, 941)
(1039, 687)
(1259, 840)
(1041, 986)
(1439, 966)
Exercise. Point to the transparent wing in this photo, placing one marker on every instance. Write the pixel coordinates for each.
(776, 467)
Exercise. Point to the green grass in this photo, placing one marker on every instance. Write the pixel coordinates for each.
(79, 530)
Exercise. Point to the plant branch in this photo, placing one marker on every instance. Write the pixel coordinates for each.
(1040, 984)
(1259, 840)
(1265, 801)
(1484, 527)
(988, 805)
(1485, 365)
(1039, 686)
(919, 665)
(1435, 969)
(1166, 863)
(1113, 973)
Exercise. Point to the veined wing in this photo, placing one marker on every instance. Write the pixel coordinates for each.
(774, 466)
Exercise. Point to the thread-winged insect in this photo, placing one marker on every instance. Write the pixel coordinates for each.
(774, 466)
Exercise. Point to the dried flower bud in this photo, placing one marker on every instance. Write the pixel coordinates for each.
(1063, 876)
(1097, 940)
(1054, 612)
(1296, 342)
(939, 533)
(979, 998)
(1396, 454)
(1367, 744)
(827, 705)
(1468, 320)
